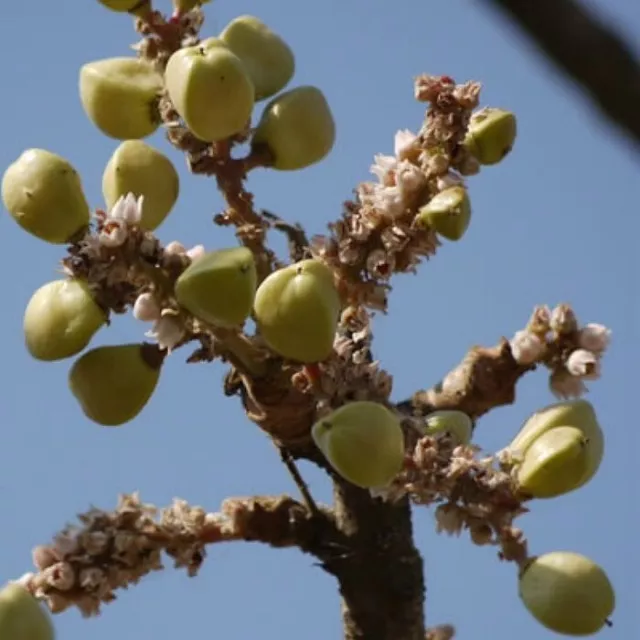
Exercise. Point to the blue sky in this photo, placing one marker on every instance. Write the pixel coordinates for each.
(558, 221)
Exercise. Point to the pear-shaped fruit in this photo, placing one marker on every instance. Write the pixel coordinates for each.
(22, 617)
(296, 309)
(567, 593)
(491, 135)
(136, 167)
(457, 423)
(114, 383)
(210, 89)
(60, 320)
(119, 95)
(556, 463)
(297, 127)
(43, 193)
(363, 441)
(140, 8)
(219, 287)
(448, 213)
(267, 57)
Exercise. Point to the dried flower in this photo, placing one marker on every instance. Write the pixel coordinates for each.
(383, 168)
(404, 142)
(526, 347)
(146, 308)
(584, 364)
(594, 337)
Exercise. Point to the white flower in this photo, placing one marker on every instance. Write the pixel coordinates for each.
(195, 253)
(594, 337)
(146, 308)
(127, 209)
(113, 234)
(526, 347)
(388, 200)
(383, 168)
(564, 386)
(584, 364)
(409, 178)
(166, 331)
(175, 248)
(403, 141)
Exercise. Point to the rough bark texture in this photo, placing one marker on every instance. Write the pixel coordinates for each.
(381, 572)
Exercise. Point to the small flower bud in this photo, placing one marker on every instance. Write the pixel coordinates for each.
(146, 309)
(196, 252)
(175, 248)
(584, 364)
(594, 337)
(563, 319)
(563, 385)
(526, 347)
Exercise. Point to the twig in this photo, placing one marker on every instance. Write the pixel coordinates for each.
(292, 468)
(592, 54)
(296, 235)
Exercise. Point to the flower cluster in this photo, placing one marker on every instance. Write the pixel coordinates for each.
(572, 353)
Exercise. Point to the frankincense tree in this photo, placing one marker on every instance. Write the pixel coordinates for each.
(296, 335)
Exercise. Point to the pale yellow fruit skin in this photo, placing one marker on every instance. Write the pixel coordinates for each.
(267, 57)
(491, 135)
(448, 213)
(136, 167)
(219, 287)
(297, 127)
(113, 384)
(578, 414)
(43, 193)
(22, 617)
(567, 593)
(297, 309)
(457, 423)
(363, 441)
(60, 320)
(556, 463)
(211, 90)
(125, 6)
(119, 96)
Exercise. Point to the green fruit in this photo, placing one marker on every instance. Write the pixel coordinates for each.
(556, 463)
(136, 167)
(491, 135)
(219, 287)
(297, 309)
(119, 95)
(448, 213)
(114, 383)
(60, 320)
(457, 423)
(267, 57)
(363, 442)
(22, 617)
(297, 127)
(43, 193)
(135, 7)
(567, 593)
(210, 89)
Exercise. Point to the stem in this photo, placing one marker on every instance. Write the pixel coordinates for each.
(381, 575)
(240, 350)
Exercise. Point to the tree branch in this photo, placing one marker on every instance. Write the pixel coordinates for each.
(586, 50)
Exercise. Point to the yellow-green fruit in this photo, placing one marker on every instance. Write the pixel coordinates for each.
(43, 193)
(219, 287)
(491, 135)
(297, 127)
(135, 7)
(267, 57)
(363, 442)
(114, 383)
(556, 463)
(22, 617)
(119, 95)
(567, 593)
(457, 423)
(136, 167)
(60, 320)
(296, 309)
(211, 90)
(448, 213)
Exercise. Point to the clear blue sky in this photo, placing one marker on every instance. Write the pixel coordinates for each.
(556, 222)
